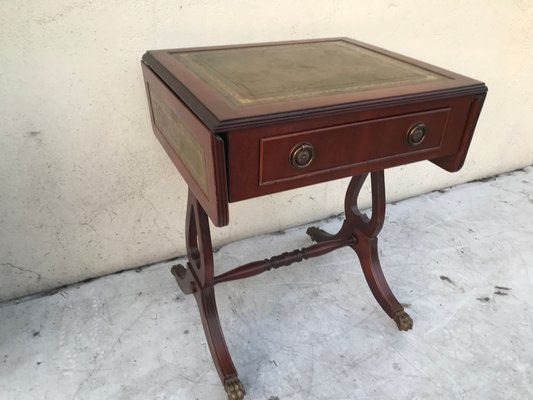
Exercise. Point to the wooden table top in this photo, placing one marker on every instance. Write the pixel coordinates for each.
(243, 121)
(228, 86)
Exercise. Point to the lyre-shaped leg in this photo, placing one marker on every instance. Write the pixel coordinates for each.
(366, 231)
(197, 278)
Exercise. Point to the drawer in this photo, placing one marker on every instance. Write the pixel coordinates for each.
(321, 151)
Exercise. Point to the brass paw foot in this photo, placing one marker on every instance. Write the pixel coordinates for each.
(317, 234)
(234, 389)
(403, 320)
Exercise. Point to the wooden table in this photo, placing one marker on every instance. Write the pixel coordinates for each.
(244, 121)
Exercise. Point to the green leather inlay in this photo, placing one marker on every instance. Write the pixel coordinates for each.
(180, 139)
(273, 74)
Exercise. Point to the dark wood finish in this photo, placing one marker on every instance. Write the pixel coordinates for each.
(364, 147)
(249, 120)
(213, 194)
(455, 161)
(220, 115)
(358, 232)
(283, 260)
(356, 143)
(198, 278)
(366, 230)
(373, 120)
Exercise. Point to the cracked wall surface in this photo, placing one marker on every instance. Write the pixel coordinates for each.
(85, 188)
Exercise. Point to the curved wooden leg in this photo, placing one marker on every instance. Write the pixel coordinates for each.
(365, 244)
(367, 251)
(217, 344)
(198, 278)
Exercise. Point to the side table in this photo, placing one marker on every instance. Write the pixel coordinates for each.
(244, 121)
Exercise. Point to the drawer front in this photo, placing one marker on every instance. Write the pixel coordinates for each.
(321, 151)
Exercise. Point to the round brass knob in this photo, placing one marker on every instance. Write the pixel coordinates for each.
(302, 155)
(416, 133)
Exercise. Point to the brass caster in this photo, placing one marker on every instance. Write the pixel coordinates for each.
(403, 320)
(234, 389)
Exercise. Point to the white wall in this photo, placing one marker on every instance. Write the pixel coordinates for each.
(85, 188)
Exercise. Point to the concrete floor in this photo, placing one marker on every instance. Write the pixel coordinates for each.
(460, 260)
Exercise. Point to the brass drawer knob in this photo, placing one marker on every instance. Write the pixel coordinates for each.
(302, 155)
(416, 133)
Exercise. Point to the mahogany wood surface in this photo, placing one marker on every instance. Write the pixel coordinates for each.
(198, 278)
(369, 125)
(357, 231)
(373, 139)
(220, 115)
(214, 198)
(366, 230)
(356, 143)
(234, 135)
